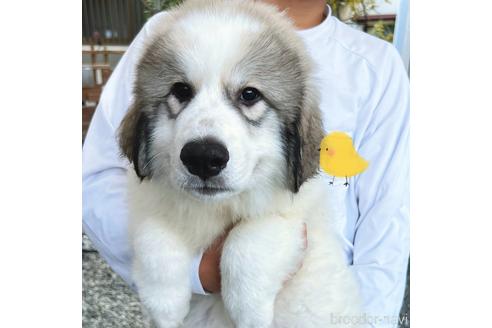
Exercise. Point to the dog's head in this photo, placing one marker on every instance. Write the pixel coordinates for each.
(223, 102)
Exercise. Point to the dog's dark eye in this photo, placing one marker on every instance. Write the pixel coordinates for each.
(249, 96)
(182, 91)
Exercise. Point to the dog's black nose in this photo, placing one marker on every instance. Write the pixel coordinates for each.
(204, 158)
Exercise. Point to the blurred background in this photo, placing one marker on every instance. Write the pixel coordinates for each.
(108, 27)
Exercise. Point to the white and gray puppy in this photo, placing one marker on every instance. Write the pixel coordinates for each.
(224, 129)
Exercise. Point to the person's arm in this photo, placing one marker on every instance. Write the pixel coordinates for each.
(105, 215)
(381, 241)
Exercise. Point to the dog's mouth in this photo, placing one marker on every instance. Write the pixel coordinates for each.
(210, 191)
(215, 187)
(207, 190)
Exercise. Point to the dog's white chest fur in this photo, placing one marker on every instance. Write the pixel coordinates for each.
(259, 253)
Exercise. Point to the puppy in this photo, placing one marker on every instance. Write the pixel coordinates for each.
(224, 130)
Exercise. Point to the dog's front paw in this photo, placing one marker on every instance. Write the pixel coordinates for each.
(167, 304)
(257, 258)
(166, 323)
(256, 314)
(168, 313)
(161, 265)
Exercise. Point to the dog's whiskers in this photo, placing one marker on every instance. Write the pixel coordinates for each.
(152, 159)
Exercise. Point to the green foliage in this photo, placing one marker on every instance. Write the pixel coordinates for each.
(346, 10)
(357, 7)
(382, 30)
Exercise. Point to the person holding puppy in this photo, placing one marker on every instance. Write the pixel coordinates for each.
(364, 92)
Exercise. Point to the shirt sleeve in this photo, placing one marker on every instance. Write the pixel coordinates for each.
(105, 213)
(381, 241)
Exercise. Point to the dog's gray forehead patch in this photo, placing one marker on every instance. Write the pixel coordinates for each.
(276, 70)
(158, 69)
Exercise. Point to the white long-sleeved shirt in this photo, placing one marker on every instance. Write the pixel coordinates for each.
(364, 92)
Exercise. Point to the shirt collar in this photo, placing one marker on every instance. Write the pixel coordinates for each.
(323, 28)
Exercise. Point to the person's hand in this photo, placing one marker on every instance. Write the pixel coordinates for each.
(299, 265)
(209, 269)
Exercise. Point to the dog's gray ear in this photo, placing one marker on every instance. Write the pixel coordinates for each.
(134, 139)
(304, 136)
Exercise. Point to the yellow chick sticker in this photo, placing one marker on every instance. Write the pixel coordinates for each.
(339, 158)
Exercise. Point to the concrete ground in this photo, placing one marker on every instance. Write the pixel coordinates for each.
(107, 301)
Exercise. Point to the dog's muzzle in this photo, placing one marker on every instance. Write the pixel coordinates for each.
(204, 158)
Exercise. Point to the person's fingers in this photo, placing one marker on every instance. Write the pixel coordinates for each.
(304, 234)
(304, 247)
(210, 265)
(209, 269)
